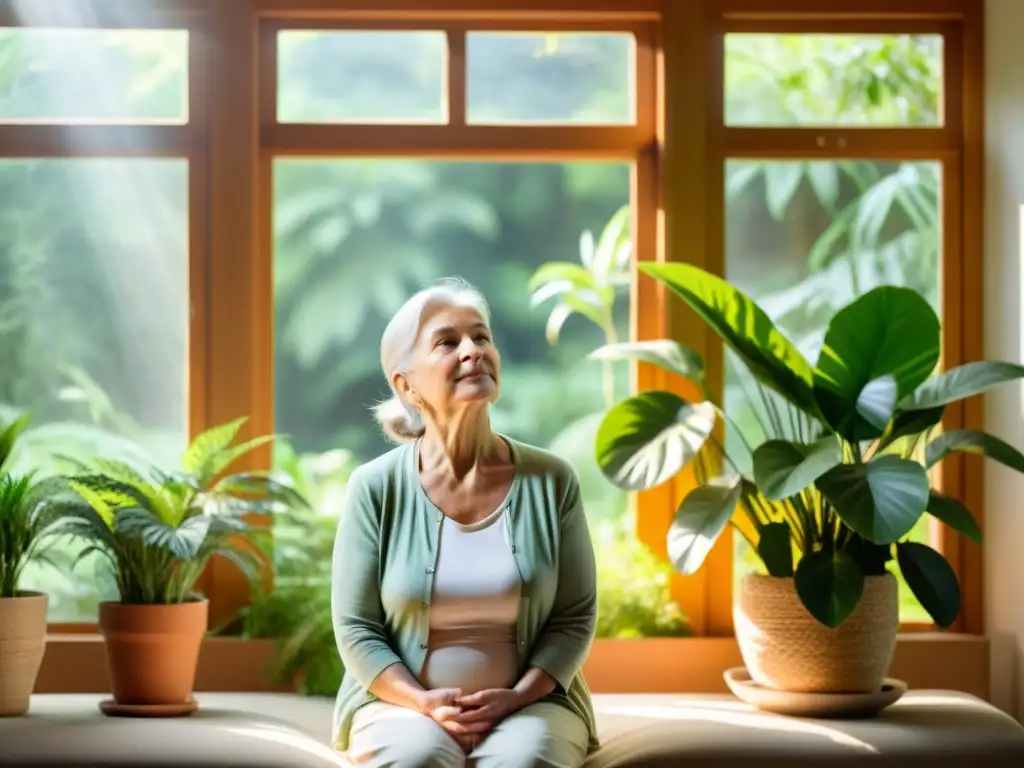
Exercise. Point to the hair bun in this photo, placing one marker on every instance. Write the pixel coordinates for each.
(399, 421)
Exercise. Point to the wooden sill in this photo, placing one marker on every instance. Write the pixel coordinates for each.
(75, 663)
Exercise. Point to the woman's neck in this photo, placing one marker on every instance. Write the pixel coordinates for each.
(460, 445)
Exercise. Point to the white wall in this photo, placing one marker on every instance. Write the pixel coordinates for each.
(1004, 317)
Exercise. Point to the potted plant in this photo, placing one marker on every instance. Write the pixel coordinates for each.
(828, 495)
(29, 508)
(159, 530)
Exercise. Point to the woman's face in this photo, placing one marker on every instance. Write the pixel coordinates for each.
(454, 362)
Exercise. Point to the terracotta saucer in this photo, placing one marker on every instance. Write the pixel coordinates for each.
(822, 705)
(111, 708)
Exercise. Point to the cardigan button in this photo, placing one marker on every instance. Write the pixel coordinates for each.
(430, 569)
(423, 646)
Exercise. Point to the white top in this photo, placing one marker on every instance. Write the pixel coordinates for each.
(474, 607)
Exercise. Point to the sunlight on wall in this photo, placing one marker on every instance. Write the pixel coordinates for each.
(1020, 293)
(1004, 340)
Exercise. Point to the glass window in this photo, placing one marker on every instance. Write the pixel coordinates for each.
(93, 327)
(537, 77)
(93, 75)
(362, 76)
(803, 239)
(833, 80)
(354, 238)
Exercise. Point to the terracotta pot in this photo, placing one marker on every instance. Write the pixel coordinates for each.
(22, 642)
(785, 648)
(153, 650)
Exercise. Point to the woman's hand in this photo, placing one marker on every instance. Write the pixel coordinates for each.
(479, 713)
(488, 706)
(442, 706)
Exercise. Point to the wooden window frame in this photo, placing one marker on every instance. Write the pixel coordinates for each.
(955, 143)
(126, 139)
(456, 139)
(678, 148)
(679, 166)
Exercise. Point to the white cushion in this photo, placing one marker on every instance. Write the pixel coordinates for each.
(259, 730)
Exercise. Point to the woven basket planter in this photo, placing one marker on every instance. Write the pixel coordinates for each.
(22, 643)
(785, 648)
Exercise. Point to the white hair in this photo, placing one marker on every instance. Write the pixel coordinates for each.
(400, 420)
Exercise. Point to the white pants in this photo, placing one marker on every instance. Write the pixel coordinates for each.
(541, 735)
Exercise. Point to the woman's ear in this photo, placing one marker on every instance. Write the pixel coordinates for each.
(404, 388)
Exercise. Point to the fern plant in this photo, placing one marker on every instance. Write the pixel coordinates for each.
(297, 611)
(29, 510)
(159, 529)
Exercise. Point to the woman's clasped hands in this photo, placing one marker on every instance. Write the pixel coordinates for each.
(468, 719)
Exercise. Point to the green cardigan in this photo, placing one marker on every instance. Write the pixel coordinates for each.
(382, 576)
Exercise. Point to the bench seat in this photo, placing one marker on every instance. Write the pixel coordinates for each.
(268, 730)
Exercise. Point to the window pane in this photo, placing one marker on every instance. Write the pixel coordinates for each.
(94, 317)
(833, 80)
(536, 77)
(804, 239)
(354, 238)
(362, 77)
(94, 75)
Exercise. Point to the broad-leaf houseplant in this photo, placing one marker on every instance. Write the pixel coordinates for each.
(828, 488)
(159, 529)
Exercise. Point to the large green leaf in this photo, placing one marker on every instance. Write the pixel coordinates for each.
(700, 520)
(562, 273)
(960, 382)
(665, 353)
(931, 580)
(646, 439)
(183, 542)
(246, 488)
(954, 514)
(775, 548)
(889, 331)
(744, 327)
(783, 468)
(909, 423)
(871, 558)
(829, 585)
(973, 441)
(582, 301)
(218, 462)
(209, 443)
(876, 402)
(881, 500)
(9, 436)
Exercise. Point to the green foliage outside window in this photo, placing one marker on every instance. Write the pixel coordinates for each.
(93, 253)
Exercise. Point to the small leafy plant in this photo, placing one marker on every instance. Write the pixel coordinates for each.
(29, 510)
(588, 288)
(296, 612)
(841, 475)
(159, 529)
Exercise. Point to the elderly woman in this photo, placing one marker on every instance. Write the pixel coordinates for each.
(464, 595)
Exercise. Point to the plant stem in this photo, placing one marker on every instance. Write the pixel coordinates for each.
(756, 516)
(750, 542)
(721, 449)
(770, 412)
